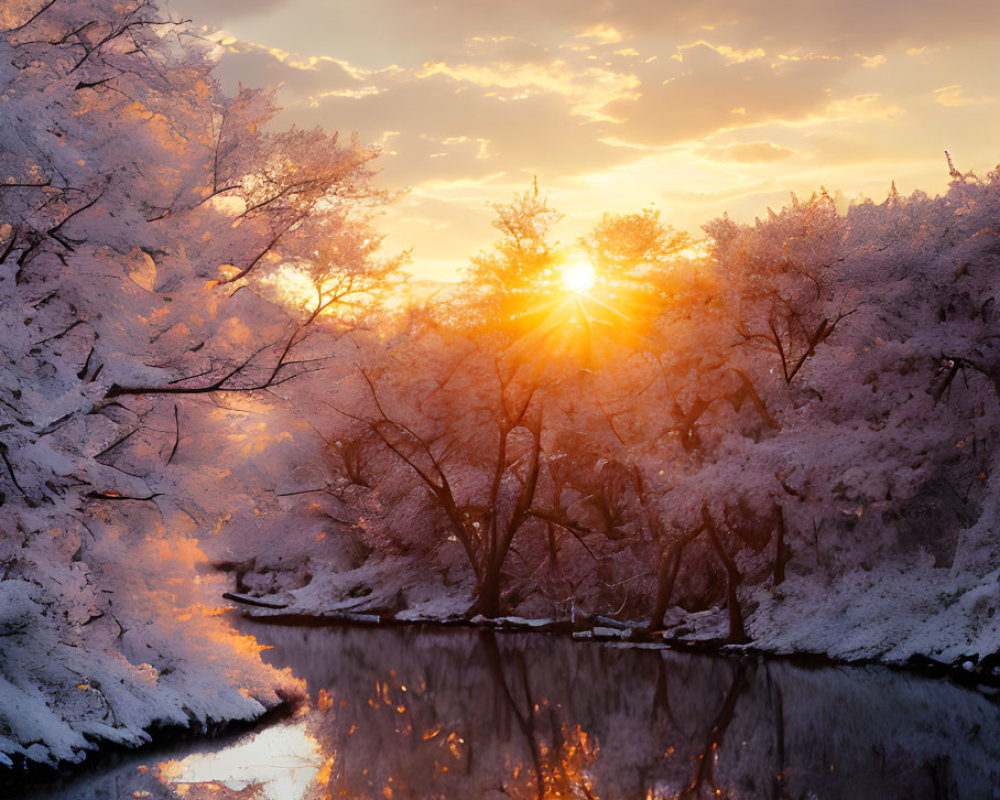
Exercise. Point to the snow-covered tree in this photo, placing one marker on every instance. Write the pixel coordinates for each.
(466, 427)
(138, 207)
(505, 284)
(633, 245)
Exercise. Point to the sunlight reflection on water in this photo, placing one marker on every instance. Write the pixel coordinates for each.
(280, 763)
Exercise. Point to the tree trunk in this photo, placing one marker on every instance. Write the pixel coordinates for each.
(737, 633)
(779, 551)
(488, 600)
(666, 576)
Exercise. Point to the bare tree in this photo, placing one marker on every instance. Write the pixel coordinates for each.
(470, 430)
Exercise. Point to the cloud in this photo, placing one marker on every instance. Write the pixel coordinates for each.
(872, 61)
(732, 55)
(506, 49)
(533, 113)
(749, 152)
(256, 65)
(448, 130)
(587, 90)
(712, 92)
(954, 97)
(604, 34)
(415, 32)
(859, 108)
(840, 28)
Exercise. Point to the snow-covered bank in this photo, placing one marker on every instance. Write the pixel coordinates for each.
(65, 694)
(924, 618)
(894, 612)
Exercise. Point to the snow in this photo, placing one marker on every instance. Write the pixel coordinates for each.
(890, 613)
(63, 689)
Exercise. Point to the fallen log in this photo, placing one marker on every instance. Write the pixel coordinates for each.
(252, 601)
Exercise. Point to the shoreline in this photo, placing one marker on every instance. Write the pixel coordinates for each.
(982, 676)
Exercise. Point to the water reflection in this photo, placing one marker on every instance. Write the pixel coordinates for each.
(463, 714)
(426, 714)
(280, 763)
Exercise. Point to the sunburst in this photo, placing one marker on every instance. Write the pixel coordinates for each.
(578, 277)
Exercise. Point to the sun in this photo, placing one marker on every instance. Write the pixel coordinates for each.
(578, 277)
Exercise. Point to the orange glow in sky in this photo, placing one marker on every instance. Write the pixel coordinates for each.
(694, 107)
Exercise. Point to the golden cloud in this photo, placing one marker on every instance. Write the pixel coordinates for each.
(954, 97)
(732, 55)
(860, 107)
(588, 90)
(749, 152)
(353, 94)
(604, 34)
(872, 61)
(482, 144)
(296, 61)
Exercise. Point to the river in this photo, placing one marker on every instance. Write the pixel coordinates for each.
(459, 713)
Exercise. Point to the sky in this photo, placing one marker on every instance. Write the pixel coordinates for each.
(692, 107)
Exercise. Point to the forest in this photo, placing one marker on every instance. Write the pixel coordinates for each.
(218, 380)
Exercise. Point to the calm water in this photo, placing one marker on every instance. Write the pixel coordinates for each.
(411, 713)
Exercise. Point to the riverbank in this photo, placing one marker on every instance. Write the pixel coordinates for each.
(69, 694)
(702, 631)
